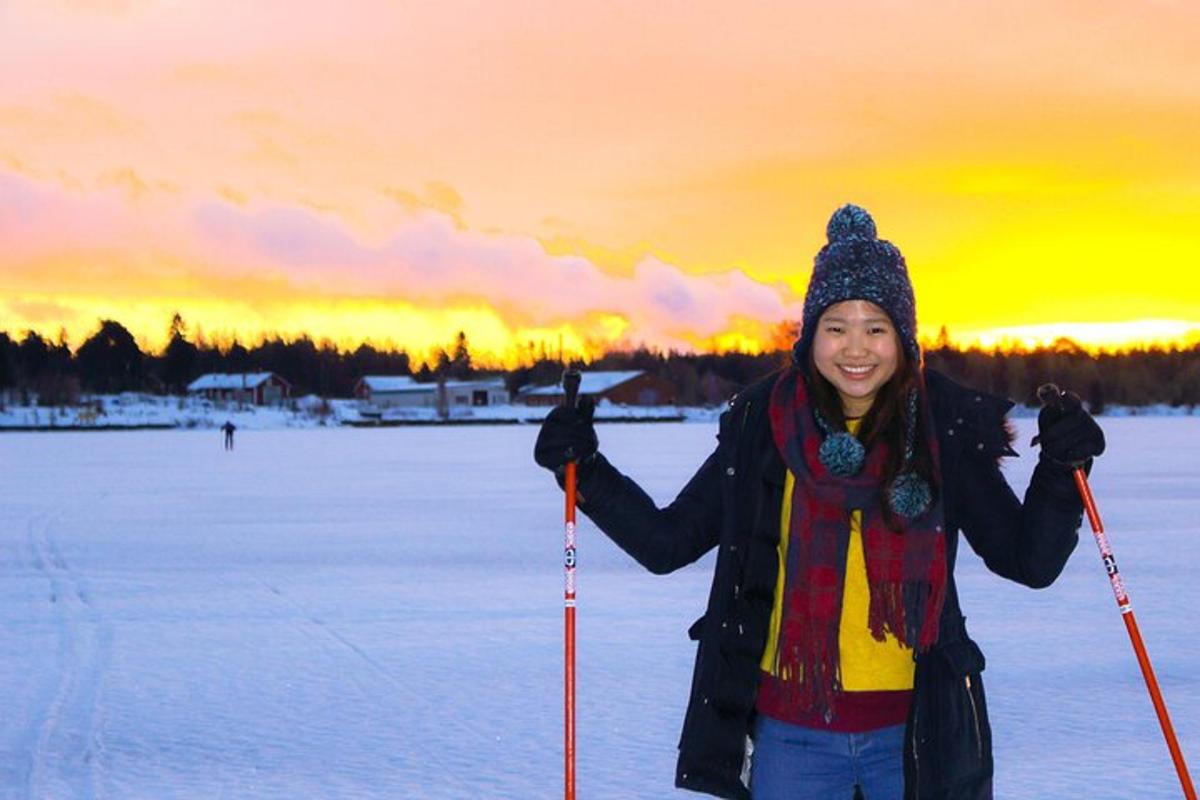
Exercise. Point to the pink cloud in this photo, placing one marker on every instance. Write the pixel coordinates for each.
(432, 261)
(428, 260)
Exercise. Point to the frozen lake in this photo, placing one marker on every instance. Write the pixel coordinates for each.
(378, 614)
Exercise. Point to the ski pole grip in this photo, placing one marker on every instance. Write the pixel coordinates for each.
(570, 380)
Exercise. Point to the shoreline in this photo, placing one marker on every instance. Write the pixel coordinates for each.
(405, 423)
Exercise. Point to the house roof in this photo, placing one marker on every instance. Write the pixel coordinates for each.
(221, 380)
(388, 383)
(486, 383)
(404, 384)
(591, 383)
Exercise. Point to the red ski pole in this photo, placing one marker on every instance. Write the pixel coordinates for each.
(571, 380)
(1050, 394)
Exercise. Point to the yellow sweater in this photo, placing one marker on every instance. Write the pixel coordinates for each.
(865, 664)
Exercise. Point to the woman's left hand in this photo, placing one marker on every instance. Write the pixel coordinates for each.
(1068, 434)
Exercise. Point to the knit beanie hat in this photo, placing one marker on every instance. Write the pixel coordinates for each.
(855, 264)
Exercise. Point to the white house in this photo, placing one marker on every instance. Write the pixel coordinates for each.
(628, 387)
(386, 391)
(259, 388)
(401, 391)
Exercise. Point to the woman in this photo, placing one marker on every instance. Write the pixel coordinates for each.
(833, 657)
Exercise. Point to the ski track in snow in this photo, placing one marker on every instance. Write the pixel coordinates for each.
(378, 614)
(64, 744)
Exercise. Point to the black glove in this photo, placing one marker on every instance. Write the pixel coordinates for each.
(1068, 434)
(567, 434)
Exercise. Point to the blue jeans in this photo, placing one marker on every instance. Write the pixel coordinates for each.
(791, 762)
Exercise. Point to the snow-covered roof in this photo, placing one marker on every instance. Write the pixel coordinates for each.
(403, 384)
(388, 383)
(221, 380)
(486, 383)
(591, 383)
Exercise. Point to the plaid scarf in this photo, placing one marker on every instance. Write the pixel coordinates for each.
(906, 570)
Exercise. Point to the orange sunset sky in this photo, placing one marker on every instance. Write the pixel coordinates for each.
(610, 173)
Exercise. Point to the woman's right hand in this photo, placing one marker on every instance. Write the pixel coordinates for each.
(567, 434)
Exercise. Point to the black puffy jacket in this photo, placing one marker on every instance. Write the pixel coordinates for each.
(734, 501)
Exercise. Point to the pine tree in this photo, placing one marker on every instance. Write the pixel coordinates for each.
(460, 363)
(179, 358)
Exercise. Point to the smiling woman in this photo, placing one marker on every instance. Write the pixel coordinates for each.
(833, 637)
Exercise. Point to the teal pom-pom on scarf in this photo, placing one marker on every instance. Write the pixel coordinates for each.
(842, 454)
(909, 495)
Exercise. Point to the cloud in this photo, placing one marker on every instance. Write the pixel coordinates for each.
(428, 260)
(432, 261)
(122, 213)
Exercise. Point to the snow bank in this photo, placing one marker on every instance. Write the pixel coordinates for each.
(150, 411)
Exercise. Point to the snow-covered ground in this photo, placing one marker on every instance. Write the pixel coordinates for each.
(357, 613)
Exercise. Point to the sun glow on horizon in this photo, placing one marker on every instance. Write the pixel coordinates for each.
(1095, 337)
(422, 333)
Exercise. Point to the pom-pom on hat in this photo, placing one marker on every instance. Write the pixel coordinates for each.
(856, 264)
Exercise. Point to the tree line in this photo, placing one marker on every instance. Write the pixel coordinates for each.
(111, 361)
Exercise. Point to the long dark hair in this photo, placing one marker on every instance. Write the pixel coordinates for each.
(887, 420)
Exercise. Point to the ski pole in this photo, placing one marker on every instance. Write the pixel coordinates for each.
(571, 380)
(1050, 395)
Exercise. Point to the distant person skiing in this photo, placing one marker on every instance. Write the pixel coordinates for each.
(229, 428)
(833, 639)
